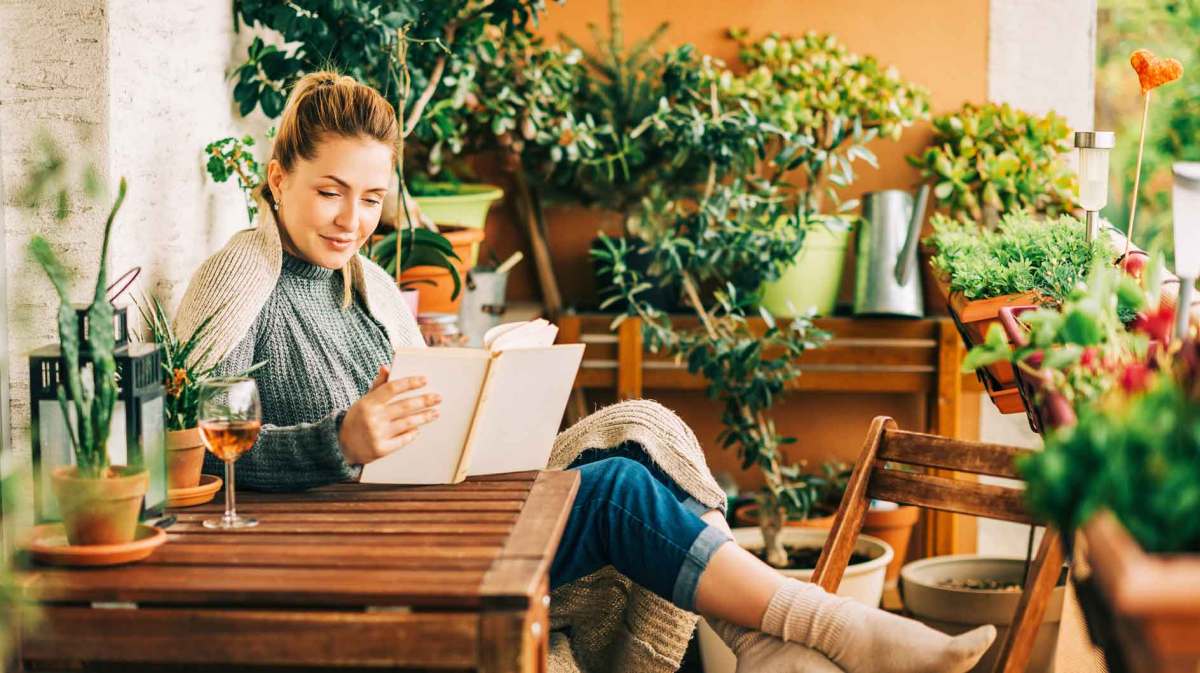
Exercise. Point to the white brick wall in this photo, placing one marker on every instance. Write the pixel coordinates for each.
(144, 81)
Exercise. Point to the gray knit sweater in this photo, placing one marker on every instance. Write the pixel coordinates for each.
(319, 358)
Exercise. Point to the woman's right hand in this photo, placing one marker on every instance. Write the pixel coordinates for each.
(386, 418)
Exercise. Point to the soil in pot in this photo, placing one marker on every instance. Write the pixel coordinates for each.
(807, 557)
(100, 511)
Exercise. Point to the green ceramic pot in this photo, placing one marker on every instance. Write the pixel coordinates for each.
(813, 280)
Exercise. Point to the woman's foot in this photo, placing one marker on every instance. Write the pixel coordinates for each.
(862, 639)
(758, 652)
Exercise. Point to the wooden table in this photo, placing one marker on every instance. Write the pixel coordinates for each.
(350, 575)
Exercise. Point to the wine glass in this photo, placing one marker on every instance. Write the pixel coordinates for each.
(230, 419)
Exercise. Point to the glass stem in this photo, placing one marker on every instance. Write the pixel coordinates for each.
(230, 510)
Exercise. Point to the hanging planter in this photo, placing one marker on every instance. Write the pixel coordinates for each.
(450, 204)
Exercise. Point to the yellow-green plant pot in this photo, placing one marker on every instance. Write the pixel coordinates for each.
(813, 280)
(468, 207)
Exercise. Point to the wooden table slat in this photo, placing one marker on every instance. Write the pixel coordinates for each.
(347, 542)
(268, 526)
(406, 557)
(386, 518)
(197, 636)
(217, 506)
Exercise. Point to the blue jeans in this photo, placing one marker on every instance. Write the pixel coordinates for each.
(630, 515)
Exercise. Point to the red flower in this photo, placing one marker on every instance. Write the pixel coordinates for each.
(1088, 358)
(1136, 377)
(1158, 324)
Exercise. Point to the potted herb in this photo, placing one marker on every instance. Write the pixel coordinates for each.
(233, 158)
(813, 87)
(1025, 260)
(1070, 355)
(100, 502)
(1125, 475)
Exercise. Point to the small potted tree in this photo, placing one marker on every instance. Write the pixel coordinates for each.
(813, 87)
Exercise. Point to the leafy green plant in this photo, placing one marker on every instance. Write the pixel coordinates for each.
(230, 157)
(418, 247)
(1023, 254)
(88, 393)
(815, 89)
(998, 157)
(1080, 349)
(1136, 455)
(182, 368)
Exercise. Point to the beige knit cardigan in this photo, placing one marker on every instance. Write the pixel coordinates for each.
(614, 624)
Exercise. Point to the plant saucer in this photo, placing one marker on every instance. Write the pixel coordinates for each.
(196, 495)
(48, 544)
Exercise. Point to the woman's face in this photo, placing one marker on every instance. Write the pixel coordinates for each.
(330, 205)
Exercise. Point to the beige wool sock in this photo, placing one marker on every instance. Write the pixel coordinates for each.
(758, 652)
(862, 639)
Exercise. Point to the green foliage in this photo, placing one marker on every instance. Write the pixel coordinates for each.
(1139, 458)
(999, 156)
(360, 39)
(1024, 254)
(1080, 348)
(183, 368)
(418, 247)
(91, 400)
(229, 157)
(833, 100)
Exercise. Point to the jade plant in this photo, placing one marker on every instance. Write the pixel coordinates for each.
(88, 393)
(1023, 254)
(813, 87)
(991, 159)
(417, 247)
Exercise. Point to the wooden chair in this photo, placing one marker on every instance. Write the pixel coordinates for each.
(873, 478)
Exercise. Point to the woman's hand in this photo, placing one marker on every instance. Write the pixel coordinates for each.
(385, 419)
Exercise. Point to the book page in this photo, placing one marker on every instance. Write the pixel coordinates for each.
(524, 400)
(433, 457)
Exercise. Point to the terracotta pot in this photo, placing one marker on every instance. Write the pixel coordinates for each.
(893, 526)
(434, 284)
(100, 511)
(974, 318)
(185, 458)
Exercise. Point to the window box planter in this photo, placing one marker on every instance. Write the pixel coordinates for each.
(1146, 607)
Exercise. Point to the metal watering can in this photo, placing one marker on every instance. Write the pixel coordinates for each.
(886, 280)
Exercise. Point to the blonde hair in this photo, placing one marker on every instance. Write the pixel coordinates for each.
(326, 103)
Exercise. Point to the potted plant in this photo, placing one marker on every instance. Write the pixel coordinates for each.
(1071, 355)
(100, 502)
(957, 593)
(1125, 475)
(813, 87)
(1025, 260)
(426, 258)
(183, 371)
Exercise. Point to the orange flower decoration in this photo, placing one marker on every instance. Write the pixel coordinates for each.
(1153, 71)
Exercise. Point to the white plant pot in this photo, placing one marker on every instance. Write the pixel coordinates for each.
(862, 581)
(955, 611)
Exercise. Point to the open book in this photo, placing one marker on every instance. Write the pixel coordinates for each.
(500, 410)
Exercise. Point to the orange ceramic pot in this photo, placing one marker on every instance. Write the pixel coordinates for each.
(100, 511)
(893, 526)
(434, 284)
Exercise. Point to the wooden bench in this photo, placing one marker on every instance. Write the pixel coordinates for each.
(349, 575)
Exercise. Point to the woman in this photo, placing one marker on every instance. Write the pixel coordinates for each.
(294, 293)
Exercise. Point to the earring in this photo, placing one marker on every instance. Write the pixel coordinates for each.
(275, 206)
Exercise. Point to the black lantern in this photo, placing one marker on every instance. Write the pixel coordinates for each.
(136, 434)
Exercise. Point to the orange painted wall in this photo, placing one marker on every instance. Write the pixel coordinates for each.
(938, 44)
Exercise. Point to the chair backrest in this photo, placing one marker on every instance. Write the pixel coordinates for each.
(885, 471)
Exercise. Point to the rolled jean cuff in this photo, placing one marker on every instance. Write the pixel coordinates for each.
(695, 506)
(698, 556)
